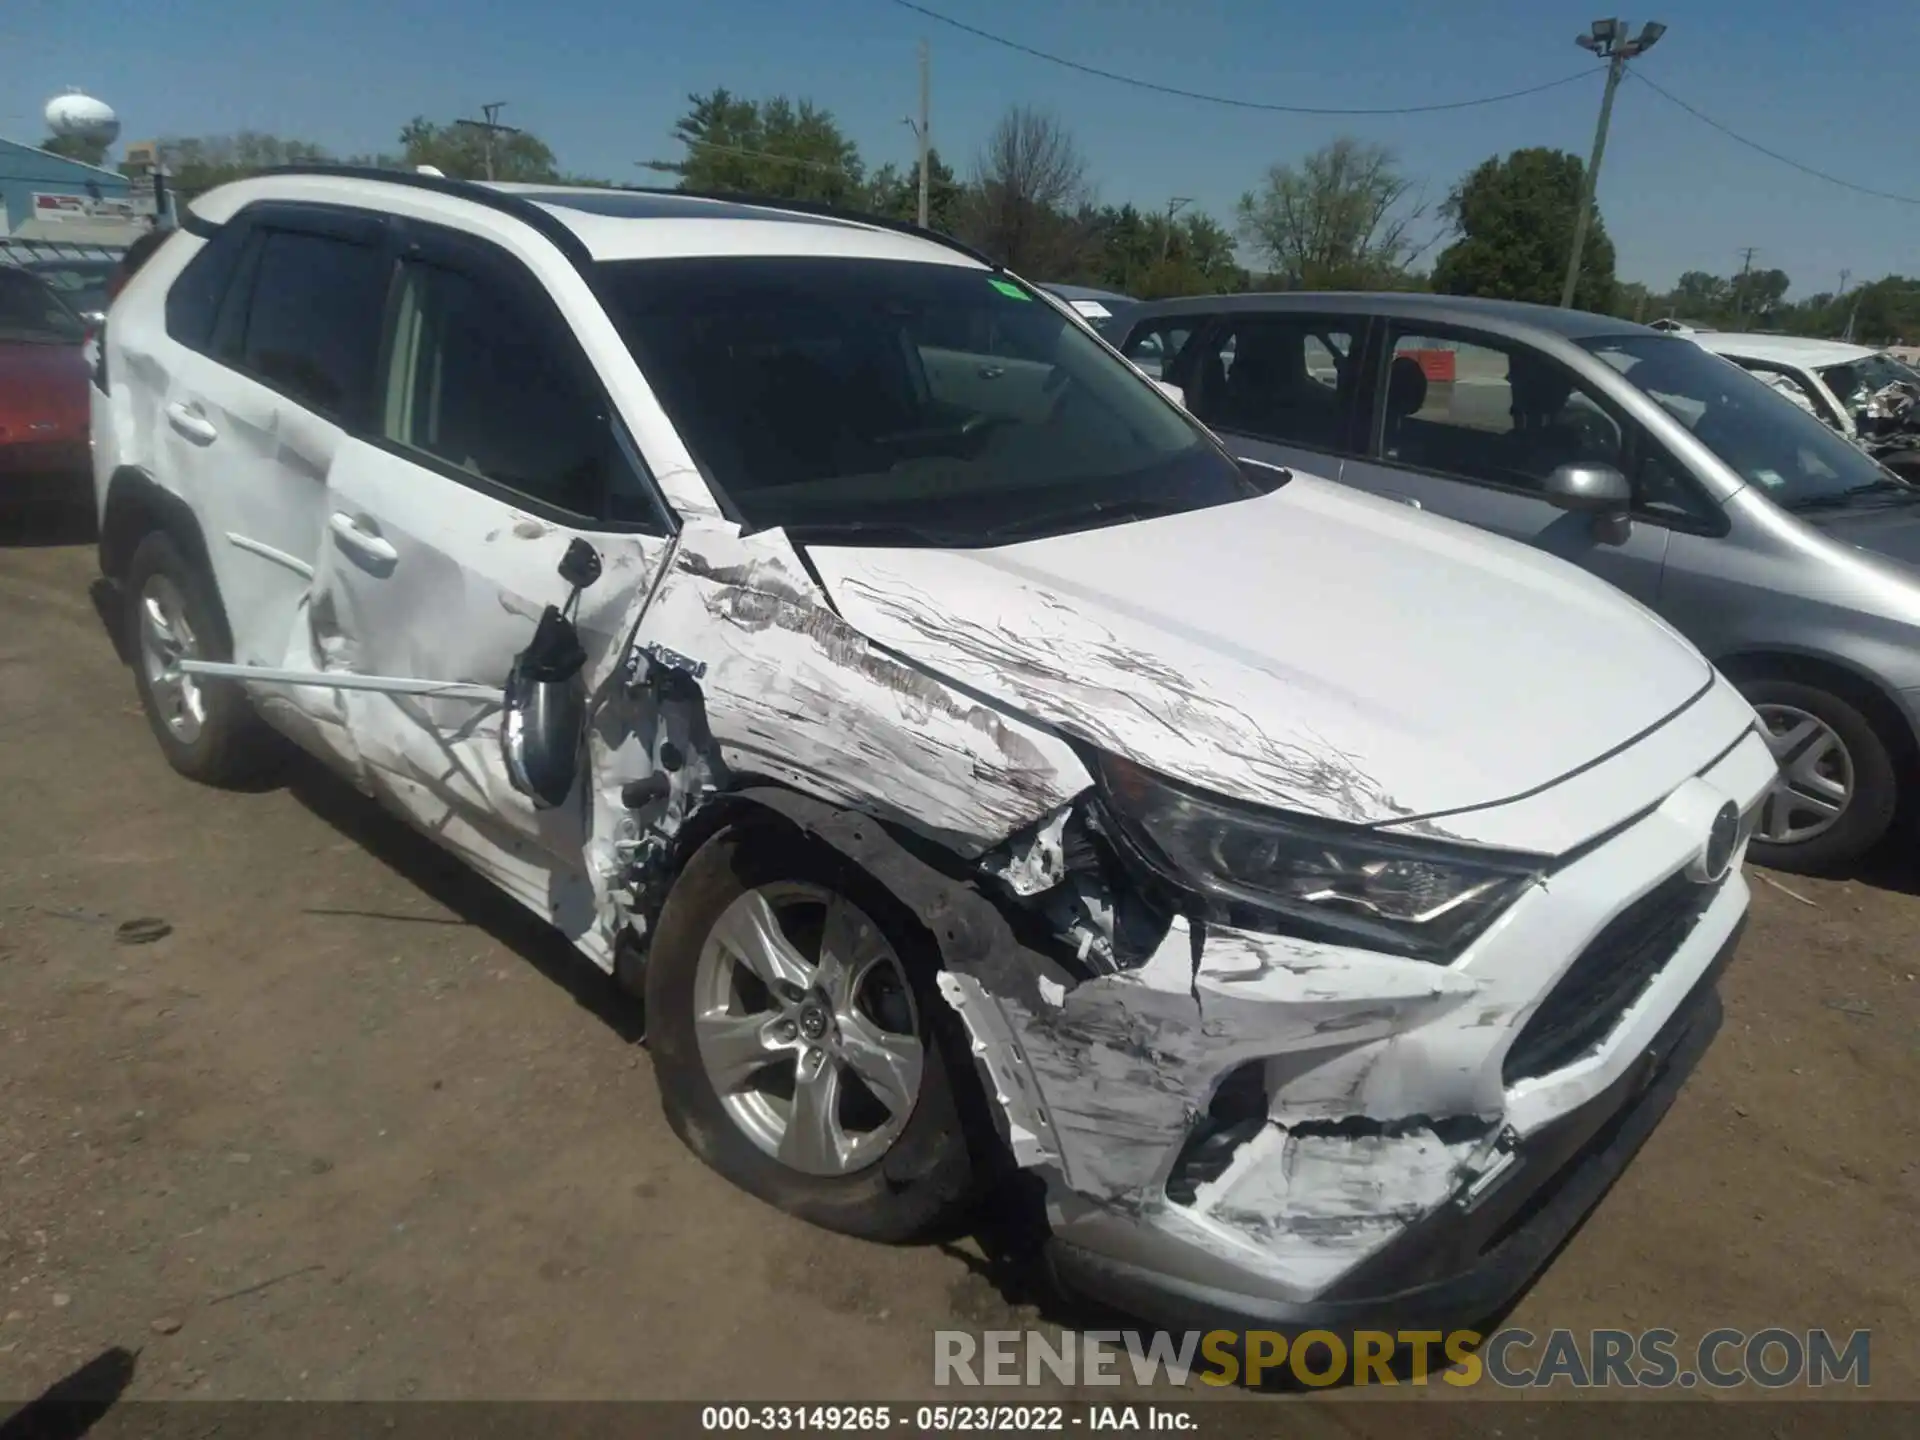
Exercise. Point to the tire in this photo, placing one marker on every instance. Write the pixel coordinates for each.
(1868, 766)
(225, 743)
(913, 1185)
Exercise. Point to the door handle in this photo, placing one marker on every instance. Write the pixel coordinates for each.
(992, 372)
(348, 532)
(188, 420)
(1405, 500)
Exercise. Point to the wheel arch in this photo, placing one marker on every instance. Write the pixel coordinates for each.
(1858, 688)
(136, 506)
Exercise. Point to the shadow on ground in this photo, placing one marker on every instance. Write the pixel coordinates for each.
(72, 1406)
(40, 524)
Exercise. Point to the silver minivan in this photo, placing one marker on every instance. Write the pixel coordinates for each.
(1783, 552)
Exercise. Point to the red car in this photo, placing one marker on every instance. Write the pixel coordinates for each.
(43, 394)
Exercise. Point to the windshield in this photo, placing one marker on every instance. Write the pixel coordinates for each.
(918, 403)
(1771, 443)
(30, 311)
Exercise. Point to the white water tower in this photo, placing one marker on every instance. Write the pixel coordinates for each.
(81, 117)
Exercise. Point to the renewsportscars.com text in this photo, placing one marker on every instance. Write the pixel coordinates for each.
(1772, 1358)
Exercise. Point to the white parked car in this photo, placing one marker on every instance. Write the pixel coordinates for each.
(967, 759)
(1836, 381)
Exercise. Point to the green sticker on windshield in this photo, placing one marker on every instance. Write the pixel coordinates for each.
(1008, 288)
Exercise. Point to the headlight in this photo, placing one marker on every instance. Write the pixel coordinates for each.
(1325, 881)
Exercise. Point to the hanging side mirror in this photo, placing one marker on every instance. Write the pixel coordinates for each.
(544, 710)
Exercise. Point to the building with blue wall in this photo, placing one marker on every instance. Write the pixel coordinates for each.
(49, 202)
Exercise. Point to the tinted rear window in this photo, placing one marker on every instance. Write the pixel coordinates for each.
(313, 322)
(841, 392)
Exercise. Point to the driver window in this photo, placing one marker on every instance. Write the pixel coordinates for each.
(1493, 412)
(485, 380)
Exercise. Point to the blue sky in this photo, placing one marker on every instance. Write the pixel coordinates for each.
(603, 80)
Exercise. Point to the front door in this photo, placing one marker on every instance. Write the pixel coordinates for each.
(1470, 425)
(493, 447)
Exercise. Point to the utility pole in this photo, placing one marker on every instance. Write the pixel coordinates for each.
(1740, 282)
(923, 132)
(1174, 207)
(1608, 40)
(489, 128)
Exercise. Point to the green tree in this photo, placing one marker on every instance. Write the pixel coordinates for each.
(1885, 311)
(1030, 207)
(1756, 296)
(1342, 219)
(87, 149)
(775, 148)
(1142, 253)
(1515, 217)
(200, 162)
(461, 152)
(1699, 296)
(894, 192)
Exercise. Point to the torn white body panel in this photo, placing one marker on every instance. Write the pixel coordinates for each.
(1126, 1065)
(796, 694)
(1279, 659)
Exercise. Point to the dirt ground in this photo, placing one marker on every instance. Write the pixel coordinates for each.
(356, 1127)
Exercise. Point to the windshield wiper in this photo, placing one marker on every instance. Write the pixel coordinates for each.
(867, 532)
(1103, 511)
(1840, 499)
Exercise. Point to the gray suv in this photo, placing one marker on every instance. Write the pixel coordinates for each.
(1783, 552)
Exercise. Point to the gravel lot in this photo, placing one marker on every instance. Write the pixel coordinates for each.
(356, 1127)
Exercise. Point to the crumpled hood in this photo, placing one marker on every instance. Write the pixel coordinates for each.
(1317, 649)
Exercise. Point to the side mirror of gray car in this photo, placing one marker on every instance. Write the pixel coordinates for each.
(1597, 490)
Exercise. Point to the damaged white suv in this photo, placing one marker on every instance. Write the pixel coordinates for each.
(965, 756)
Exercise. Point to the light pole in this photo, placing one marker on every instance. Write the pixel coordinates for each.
(1174, 207)
(489, 128)
(1608, 39)
(923, 132)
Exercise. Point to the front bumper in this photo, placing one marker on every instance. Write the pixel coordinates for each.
(1389, 1119)
(1466, 1261)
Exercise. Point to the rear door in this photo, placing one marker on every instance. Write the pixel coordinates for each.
(1470, 425)
(261, 398)
(491, 448)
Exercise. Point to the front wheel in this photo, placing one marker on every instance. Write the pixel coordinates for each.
(1836, 793)
(801, 1046)
(207, 729)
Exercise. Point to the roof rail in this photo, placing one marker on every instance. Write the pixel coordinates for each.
(515, 203)
(545, 221)
(813, 207)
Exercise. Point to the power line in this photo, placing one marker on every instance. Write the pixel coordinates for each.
(1735, 135)
(1229, 100)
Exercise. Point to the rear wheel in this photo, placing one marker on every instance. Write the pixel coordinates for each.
(1836, 792)
(802, 1048)
(207, 729)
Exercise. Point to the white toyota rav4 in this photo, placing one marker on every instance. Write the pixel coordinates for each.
(966, 758)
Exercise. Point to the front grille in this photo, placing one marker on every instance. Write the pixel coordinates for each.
(1609, 976)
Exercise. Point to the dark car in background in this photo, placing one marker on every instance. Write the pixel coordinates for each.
(1099, 308)
(43, 394)
(1788, 555)
(82, 284)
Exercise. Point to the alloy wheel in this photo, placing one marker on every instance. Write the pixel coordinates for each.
(807, 1028)
(166, 638)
